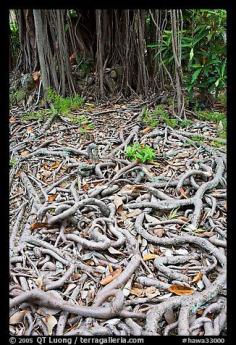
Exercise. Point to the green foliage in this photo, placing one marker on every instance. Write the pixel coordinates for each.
(140, 152)
(197, 138)
(149, 119)
(216, 143)
(184, 123)
(222, 98)
(222, 134)
(17, 96)
(164, 116)
(85, 64)
(213, 116)
(82, 121)
(160, 114)
(40, 115)
(72, 13)
(14, 41)
(203, 51)
(207, 52)
(172, 215)
(13, 162)
(63, 105)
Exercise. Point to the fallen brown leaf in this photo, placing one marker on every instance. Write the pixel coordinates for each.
(50, 321)
(24, 153)
(55, 165)
(183, 193)
(180, 290)
(136, 291)
(111, 276)
(146, 130)
(35, 226)
(197, 277)
(206, 234)
(149, 256)
(12, 119)
(39, 282)
(151, 292)
(118, 203)
(29, 130)
(17, 317)
(159, 232)
(52, 197)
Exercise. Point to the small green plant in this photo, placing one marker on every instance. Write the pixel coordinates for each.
(217, 143)
(197, 138)
(149, 119)
(153, 118)
(172, 215)
(213, 116)
(40, 115)
(164, 116)
(13, 162)
(82, 121)
(184, 123)
(222, 134)
(63, 105)
(140, 152)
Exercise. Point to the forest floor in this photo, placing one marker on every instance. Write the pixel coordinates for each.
(101, 245)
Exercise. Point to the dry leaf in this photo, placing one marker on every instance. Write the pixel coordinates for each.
(114, 251)
(17, 317)
(182, 193)
(206, 234)
(85, 187)
(146, 130)
(24, 153)
(184, 219)
(197, 277)
(75, 276)
(55, 165)
(180, 290)
(111, 276)
(52, 197)
(136, 291)
(134, 213)
(12, 119)
(159, 232)
(118, 202)
(50, 321)
(149, 256)
(35, 226)
(46, 173)
(151, 292)
(129, 189)
(39, 282)
(127, 287)
(29, 130)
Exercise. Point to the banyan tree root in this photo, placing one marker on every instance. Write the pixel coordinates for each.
(187, 305)
(91, 213)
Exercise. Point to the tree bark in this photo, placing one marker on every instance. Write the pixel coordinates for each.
(40, 39)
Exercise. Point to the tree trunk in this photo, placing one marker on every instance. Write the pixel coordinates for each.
(40, 39)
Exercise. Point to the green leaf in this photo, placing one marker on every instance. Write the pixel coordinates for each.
(191, 54)
(195, 75)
